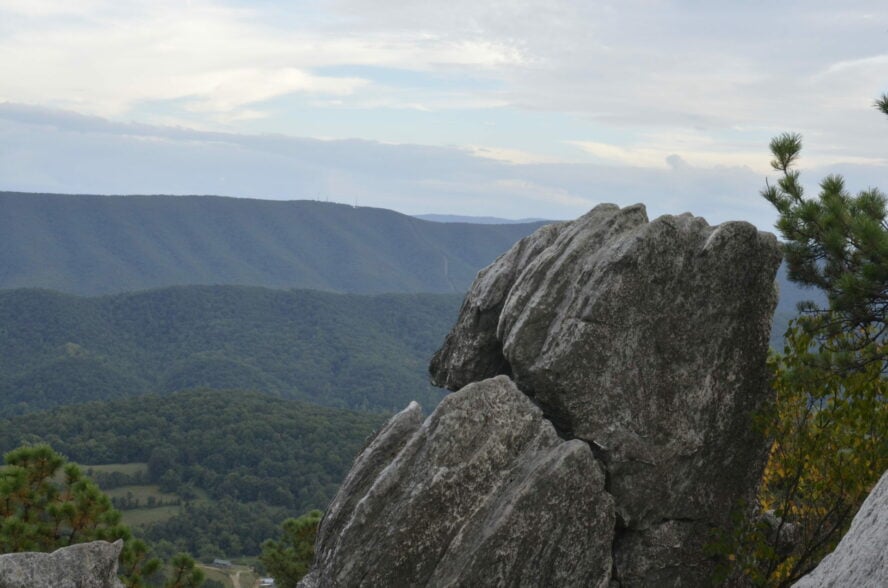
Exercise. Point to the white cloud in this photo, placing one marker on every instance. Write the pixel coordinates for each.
(56, 151)
(227, 91)
(49, 8)
(660, 96)
(629, 156)
(507, 155)
(219, 58)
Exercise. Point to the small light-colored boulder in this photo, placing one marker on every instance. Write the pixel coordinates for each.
(861, 558)
(84, 565)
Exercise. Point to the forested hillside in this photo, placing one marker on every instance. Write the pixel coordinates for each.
(790, 295)
(357, 351)
(107, 244)
(257, 458)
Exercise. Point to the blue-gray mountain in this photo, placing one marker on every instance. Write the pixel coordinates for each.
(105, 244)
(89, 245)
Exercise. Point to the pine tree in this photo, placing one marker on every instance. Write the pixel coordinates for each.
(830, 422)
(289, 559)
(46, 503)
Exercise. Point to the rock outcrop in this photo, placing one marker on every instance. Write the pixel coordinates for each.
(85, 565)
(861, 557)
(639, 351)
(482, 493)
(647, 340)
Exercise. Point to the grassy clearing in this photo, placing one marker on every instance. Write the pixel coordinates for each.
(145, 516)
(212, 573)
(246, 577)
(124, 468)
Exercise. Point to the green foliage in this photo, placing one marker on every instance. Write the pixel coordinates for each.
(830, 434)
(242, 445)
(289, 559)
(830, 423)
(102, 245)
(882, 103)
(839, 244)
(224, 528)
(41, 514)
(260, 458)
(184, 573)
(46, 503)
(348, 351)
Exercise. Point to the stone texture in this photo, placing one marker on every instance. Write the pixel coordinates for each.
(647, 340)
(482, 493)
(861, 557)
(85, 565)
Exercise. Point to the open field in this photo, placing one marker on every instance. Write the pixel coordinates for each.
(236, 576)
(145, 516)
(124, 468)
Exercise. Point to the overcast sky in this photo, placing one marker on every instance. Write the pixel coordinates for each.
(508, 108)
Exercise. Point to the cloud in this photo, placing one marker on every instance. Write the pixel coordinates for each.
(507, 155)
(230, 90)
(662, 149)
(213, 57)
(47, 150)
(662, 101)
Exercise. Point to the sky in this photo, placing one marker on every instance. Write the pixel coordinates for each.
(514, 108)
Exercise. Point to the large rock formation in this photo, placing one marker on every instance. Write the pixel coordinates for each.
(647, 340)
(643, 344)
(483, 493)
(861, 557)
(85, 565)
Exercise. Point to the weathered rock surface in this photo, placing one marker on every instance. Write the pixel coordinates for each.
(482, 493)
(647, 340)
(608, 368)
(85, 565)
(861, 558)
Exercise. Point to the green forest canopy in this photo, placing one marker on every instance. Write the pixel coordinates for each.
(366, 352)
(259, 458)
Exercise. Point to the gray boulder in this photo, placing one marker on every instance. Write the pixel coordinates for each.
(861, 557)
(482, 493)
(647, 340)
(85, 565)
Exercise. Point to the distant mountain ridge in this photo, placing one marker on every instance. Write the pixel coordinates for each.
(90, 245)
(93, 245)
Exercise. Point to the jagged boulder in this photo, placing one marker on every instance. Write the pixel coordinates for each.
(861, 557)
(481, 493)
(85, 565)
(647, 340)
